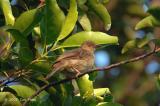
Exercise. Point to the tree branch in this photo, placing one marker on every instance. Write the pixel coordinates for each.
(13, 77)
(90, 71)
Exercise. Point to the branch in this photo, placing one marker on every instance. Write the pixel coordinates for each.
(13, 77)
(9, 81)
(90, 71)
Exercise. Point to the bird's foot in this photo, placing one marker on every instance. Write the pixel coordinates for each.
(78, 73)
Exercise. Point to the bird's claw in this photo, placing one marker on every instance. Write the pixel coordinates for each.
(78, 73)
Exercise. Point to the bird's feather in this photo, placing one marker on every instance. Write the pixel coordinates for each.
(73, 53)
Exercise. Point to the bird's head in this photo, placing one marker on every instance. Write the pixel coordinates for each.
(88, 45)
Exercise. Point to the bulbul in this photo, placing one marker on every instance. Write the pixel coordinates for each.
(77, 61)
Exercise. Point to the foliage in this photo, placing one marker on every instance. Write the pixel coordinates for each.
(31, 38)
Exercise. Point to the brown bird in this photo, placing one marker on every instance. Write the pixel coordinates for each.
(76, 61)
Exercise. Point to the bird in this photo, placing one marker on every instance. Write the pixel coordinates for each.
(76, 61)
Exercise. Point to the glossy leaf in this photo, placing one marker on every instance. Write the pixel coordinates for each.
(52, 22)
(101, 91)
(81, 2)
(137, 10)
(27, 21)
(85, 91)
(8, 99)
(142, 42)
(36, 31)
(97, 37)
(102, 12)
(149, 21)
(43, 67)
(5, 6)
(21, 90)
(25, 54)
(77, 101)
(26, 91)
(129, 45)
(17, 35)
(85, 22)
(135, 43)
(70, 20)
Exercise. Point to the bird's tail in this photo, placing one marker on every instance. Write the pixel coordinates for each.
(56, 67)
(50, 74)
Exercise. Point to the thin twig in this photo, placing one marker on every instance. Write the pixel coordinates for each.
(13, 77)
(19, 73)
(90, 71)
(9, 81)
(8, 77)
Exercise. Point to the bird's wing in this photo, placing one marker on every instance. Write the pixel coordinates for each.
(69, 54)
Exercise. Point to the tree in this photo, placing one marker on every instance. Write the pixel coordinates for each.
(34, 33)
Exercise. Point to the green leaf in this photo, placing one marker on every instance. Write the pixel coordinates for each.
(70, 20)
(142, 42)
(25, 54)
(135, 43)
(36, 31)
(81, 2)
(77, 100)
(85, 22)
(97, 37)
(90, 101)
(17, 35)
(41, 102)
(136, 9)
(154, 11)
(27, 21)
(85, 91)
(43, 67)
(26, 91)
(52, 22)
(102, 12)
(8, 99)
(5, 6)
(108, 104)
(129, 45)
(101, 91)
(23, 91)
(149, 21)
